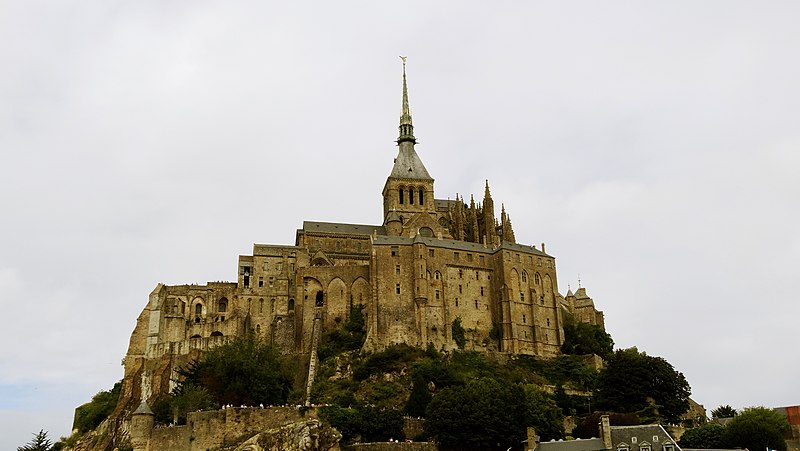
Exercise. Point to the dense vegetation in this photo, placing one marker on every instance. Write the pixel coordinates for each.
(583, 338)
(243, 371)
(468, 398)
(634, 382)
(754, 428)
(91, 414)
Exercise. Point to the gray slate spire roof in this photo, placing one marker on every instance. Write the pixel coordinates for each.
(407, 165)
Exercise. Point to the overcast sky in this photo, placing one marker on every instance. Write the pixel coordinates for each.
(653, 146)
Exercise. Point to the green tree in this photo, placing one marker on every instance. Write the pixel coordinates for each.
(757, 428)
(483, 414)
(723, 412)
(419, 398)
(633, 381)
(364, 423)
(243, 371)
(708, 436)
(39, 442)
(583, 338)
(90, 415)
(543, 413)
(458, 333)
(189, 398)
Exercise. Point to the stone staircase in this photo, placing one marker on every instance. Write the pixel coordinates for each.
(313, 360)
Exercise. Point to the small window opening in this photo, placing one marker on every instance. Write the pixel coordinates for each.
(402, 194)
(397, 288)
(319, 299)
(411, 196)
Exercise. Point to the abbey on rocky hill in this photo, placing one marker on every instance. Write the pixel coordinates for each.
(428, 262)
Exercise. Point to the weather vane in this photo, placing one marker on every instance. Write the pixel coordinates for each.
(404, 58)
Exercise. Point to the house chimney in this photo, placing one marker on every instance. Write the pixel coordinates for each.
(533, 440)
(605, 431)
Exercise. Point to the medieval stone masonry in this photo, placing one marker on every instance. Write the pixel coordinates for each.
(426, 263)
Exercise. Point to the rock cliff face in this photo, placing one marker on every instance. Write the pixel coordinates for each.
(310, 435)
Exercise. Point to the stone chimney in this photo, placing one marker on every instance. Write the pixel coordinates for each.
(605, 431)
(533, 440)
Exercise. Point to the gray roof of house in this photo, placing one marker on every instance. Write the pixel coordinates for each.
(644, 432)
(591, 444)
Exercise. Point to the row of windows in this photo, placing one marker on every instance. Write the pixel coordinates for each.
(539, 261)
(402, 196)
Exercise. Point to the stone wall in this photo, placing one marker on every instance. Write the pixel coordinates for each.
(227, 427)
(414, 446)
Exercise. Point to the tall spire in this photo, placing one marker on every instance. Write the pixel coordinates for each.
(406, 127)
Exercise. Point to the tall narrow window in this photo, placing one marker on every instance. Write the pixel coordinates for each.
(402, 194)
(397, 288)
(198, 309)
(397, 270)
(421, 196)
(411, 196)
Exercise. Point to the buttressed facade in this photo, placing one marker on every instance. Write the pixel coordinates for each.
(426, 263)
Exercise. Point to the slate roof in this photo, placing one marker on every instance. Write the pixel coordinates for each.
(336, 227)
(591, 444)
(407, 165)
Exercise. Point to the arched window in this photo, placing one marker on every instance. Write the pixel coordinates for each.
(402, 193)
(194, 337)
(421, 196)
(258, 328)
(411, 196)
(291, 305)
(525, 276)
(198, 309)
(536, 279)
(216, 333)
(319, 299)
(222, 305)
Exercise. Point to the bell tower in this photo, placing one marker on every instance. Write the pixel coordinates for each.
(408, 192)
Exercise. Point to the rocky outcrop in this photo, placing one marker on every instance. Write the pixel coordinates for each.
(309, 435)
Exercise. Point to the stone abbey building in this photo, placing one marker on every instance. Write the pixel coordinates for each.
(426, 263)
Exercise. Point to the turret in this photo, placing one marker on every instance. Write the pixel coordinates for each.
(142, 421)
